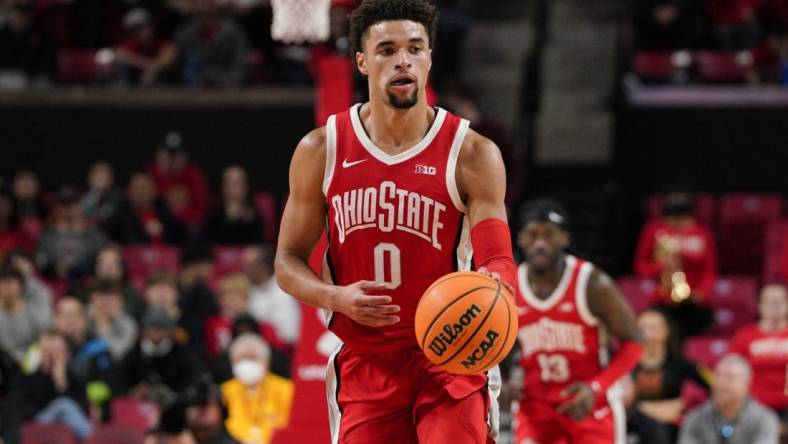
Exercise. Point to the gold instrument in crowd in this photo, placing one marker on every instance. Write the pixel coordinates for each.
(672, 281)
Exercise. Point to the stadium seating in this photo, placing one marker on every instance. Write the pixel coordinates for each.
(84, 66)
(227, 259)
(742, 230)
(265, 202)
(115, 434)
(775, 265)
(141, 261)
(657, 66)
(133, 413)
(638, 291)
(705, 208)
(706, 350)
(724, 67)
(49, 433)
(733, 301)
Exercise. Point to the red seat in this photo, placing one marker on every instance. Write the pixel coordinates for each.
(705, 208)
(724, 67)
(734, 303)
(654, 65)
(706, 350)
(640, 292)
(254, 67)
(57, 285)
(743, 221)
(30, 228)
(49, 433)
(227, 259)
(265, 202)
(141, 261)
(133, 413)
(775, 266)
(84, 66)
(115, 434)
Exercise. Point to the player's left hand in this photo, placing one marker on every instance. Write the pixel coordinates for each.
(582, 401)
(495, 275)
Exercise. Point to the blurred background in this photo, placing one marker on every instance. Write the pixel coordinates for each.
(145, 151)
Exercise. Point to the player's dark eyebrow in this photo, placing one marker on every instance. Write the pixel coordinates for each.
(384, 43)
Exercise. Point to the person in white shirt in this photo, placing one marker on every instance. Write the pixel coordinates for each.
(267, 302)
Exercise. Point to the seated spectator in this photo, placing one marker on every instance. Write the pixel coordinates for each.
(233, 301)
(679, 253)
(158, 367)
(142, 57)
(53, 393)
(141, 219)
(180, 182)
(37, 295)
(641, 428)
(235, 220)
(107, 319)
(9, 422)
(666, 24)
(109, 267)
(20, 323)
(161, 290)
(258, 402)
(765, 346)
(10, 238)
(205, 416)
(28, 202)
(102, 199)
(24, 48)
(267, 302)
(662, 371)
(211, 47)
(734, 23)
(68, 246)
(730, 416)
(197, 301)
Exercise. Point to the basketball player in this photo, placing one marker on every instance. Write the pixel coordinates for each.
(405, 192)
(566, 308)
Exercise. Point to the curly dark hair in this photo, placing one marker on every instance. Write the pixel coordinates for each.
(371, 12)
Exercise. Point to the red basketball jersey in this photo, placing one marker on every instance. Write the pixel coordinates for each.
(559, 337)
(395, 219)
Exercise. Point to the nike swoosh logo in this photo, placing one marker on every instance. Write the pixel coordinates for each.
(346, 164)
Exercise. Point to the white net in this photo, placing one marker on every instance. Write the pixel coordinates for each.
(301, 21)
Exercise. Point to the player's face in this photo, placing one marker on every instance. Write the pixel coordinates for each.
(397, 60)
(542, 244)
(774, 303)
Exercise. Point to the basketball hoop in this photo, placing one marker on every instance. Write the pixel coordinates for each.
(300, 21)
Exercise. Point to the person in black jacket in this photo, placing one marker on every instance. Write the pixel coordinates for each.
(141, 219)
(234, 220)
(53, 393)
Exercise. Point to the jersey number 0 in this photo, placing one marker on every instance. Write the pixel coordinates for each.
(383, 250)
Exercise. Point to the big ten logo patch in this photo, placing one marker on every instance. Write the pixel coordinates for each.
(427, 170)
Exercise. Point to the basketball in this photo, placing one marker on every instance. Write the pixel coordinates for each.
(466, 323)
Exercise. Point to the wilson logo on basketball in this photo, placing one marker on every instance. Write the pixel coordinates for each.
(451, 332)
(481, 351)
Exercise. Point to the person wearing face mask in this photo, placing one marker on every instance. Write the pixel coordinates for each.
(158, 367)
(257, 401)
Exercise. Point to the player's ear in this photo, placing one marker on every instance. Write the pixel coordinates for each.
(429, 67)
(361, 63)
(566, 239)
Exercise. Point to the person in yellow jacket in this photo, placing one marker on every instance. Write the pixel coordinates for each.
(258, 402)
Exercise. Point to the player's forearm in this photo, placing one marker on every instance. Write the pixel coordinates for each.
(298, 280)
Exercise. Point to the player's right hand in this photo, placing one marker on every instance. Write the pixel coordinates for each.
(373, 310)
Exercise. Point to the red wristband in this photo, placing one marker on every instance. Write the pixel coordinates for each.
(492, 249)
(625, 359)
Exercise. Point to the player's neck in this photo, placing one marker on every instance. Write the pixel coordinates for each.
(395, 130)
(547, 279)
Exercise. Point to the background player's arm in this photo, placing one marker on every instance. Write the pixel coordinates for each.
(608, 305)
(481, 179)
(302, 224)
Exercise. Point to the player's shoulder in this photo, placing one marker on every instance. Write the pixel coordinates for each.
(314, 141)
(477, 147)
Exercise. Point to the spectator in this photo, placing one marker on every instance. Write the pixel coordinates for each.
(641, 428)
(205, 416)
(20, 324)
(233, 302)
(765, 346)
(10, 238)
(462, 99)
(258, 402)
(667, 24)
(730, 416)
(142, 57)
(102, 199)
(267, 302)
(53, 393)
(662, 370)
(235, 220)
(107, 319)
(161, 290)
(734, 23)
(212, 48)
(679, 252)
(28, 202)
(180, 182)
(25, 49)
(141, 219)
(68, 246)
(197, 302)
(158, 367)
(37, 295)
(109, 267)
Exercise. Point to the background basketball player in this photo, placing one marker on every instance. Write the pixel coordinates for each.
(405, 191)
(567, 308)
